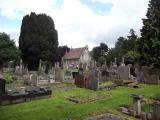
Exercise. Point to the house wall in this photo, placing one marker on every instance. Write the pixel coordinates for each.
(69, 62)
(85, 58)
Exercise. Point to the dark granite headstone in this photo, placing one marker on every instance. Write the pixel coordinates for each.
(2, 85)
(80, 80)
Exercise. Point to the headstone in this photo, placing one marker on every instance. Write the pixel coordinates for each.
(33, 79)
(156, 111)
(40, 64)
(122, 63)
(2, 85)
(115, 62)
(59, 75)
(21, 67)
(80, 80)
(92, 81)
(139, 74)
(17, 69)
(51, 79)
(151, 75)
(104, 75)
(124, 72)
(25, 70)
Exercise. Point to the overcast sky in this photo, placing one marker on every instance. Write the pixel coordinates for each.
(78, 22)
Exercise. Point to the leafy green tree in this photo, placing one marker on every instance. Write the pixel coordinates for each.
(99, 51)
(96, 53)
(131, 57)
(123, 46)
(38, 40)
(8, 50)
(149, 44)
(101, 60)
(111, 56)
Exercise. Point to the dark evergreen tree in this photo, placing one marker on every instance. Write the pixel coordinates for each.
(38, 40)
(8, 50)
(149, 44)
(61, 52)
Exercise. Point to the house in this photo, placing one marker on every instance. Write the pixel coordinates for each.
(76, 58)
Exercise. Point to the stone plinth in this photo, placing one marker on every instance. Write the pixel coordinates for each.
(137, 102)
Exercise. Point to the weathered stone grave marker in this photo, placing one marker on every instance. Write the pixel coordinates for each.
(92, 81)
(124, 72)
(137, 103)
(156, 110)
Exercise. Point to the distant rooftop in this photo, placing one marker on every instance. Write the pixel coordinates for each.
(74, 53)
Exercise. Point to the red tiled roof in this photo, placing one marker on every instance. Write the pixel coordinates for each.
(74, 53)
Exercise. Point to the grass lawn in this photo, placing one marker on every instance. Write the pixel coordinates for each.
(59, 108)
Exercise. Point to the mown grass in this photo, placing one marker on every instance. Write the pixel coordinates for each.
(59, 108)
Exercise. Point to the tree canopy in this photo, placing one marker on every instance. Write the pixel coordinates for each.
(149, 44)
(99, 52)
(8, 50)
(38, 40)
(124, 47)
(61, 52)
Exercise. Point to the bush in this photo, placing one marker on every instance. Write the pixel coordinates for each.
(68, 73)
(8, 78)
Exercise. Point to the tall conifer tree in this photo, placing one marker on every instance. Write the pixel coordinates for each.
(149, 45)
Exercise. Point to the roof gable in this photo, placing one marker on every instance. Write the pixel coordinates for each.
(74, 53)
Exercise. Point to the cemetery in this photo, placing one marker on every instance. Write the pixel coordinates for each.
(107, 75)
(107, 91)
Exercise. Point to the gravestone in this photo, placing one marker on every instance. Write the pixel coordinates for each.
(59, 75)
(51, 79)
(151, 75)
(79, 78)
(122, 63)
(52, 75)
(21, 67)
(92, 81)
(156, 110)
(42, 80)
(104, 75)
(124, 72)
(33, 79)
(2, 85)
(17, 69)
(139, 74)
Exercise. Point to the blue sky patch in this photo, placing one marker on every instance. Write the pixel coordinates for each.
(97, 7)
(58, 3)
(9, 23)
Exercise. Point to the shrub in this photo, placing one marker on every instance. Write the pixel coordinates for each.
(8, 78)
(68, 73)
